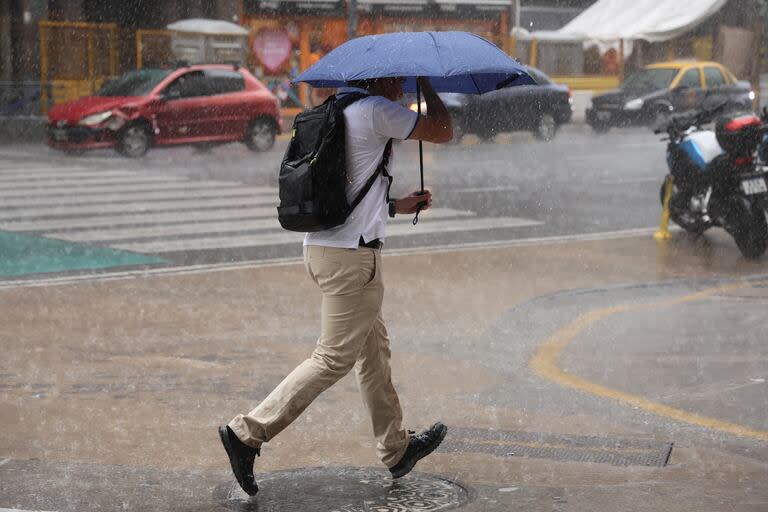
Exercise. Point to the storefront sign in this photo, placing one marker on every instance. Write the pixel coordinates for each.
(289, 7)
(272, 47)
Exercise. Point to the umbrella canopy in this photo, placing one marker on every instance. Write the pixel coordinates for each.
(453, 61)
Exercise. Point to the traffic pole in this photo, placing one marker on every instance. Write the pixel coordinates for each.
(663, 232)
(351, 19)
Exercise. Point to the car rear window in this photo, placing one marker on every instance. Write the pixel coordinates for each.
(134, 83)
(222, 81)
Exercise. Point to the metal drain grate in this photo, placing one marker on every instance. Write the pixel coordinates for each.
(618, 452)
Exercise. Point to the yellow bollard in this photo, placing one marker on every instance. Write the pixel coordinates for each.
(663, 232)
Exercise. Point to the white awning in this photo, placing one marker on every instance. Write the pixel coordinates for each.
(545, 35)
(470, 3)
(607, 21)
(210, 27)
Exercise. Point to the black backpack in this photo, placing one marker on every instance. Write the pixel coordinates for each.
(313, 174)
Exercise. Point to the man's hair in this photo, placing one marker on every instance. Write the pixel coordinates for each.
(362, 84)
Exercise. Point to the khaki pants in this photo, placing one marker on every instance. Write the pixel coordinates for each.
(352, 335)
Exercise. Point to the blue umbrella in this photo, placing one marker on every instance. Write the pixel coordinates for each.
(453, 62)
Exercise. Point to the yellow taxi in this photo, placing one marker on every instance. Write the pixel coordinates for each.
(657, 90)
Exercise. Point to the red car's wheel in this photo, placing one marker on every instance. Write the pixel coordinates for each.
(261, 135)
(134, 140)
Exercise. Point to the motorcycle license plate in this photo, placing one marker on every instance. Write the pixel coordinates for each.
(603, 115)
(754, 186)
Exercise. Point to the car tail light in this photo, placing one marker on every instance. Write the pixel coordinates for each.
(569, 92)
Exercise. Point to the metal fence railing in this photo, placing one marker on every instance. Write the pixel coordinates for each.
(30, 98)
(20, 98)
(75, 58)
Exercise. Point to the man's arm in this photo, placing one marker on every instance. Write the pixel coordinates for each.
(436, 125)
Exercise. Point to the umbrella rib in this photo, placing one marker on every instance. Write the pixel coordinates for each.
(437, 49)
(472, 76)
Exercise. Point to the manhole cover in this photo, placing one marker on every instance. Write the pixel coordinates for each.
(345, 490)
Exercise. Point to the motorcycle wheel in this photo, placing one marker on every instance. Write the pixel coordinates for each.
(748, 227)
(600, 128)
(681, 218)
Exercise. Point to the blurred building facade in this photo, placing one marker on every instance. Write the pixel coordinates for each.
(20, 36)
(20, 25)
(314, 27)
(76, 44)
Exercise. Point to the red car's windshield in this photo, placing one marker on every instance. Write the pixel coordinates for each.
(134, 83)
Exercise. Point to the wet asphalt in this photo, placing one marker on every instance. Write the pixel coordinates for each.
(602, 374)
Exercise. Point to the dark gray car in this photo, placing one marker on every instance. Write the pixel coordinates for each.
(653, 93)
(540, 109)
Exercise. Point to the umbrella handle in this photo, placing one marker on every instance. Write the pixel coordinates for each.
(421, 153)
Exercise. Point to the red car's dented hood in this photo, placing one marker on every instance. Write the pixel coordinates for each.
(73, 111)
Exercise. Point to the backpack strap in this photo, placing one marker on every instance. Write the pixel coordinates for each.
(385, 165)
(381, 169)
(335, 105)
(345, 100)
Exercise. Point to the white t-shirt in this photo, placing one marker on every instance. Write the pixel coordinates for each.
(370, 123)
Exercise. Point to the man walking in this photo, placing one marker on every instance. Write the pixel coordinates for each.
(345, 263)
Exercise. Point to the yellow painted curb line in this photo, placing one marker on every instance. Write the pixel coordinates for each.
(545, 361)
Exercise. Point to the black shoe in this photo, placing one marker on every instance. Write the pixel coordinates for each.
(241, 457)
(419, 446)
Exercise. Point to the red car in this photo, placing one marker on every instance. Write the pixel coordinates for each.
(201, 105)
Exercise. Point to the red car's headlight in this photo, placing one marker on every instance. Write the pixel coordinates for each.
(95, 119)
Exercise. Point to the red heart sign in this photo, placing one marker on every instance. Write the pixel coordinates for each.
(272, 48)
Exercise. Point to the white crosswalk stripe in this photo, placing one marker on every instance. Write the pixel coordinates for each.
(119, 183)
(150, 213)
(18, 510)
(261, 223)
(131, 219)
(56, 177)
(9, 167)
(286, 237)
(73, 196)
(130, 207)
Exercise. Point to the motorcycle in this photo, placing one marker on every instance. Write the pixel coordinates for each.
(762, 149)
(715, 180)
